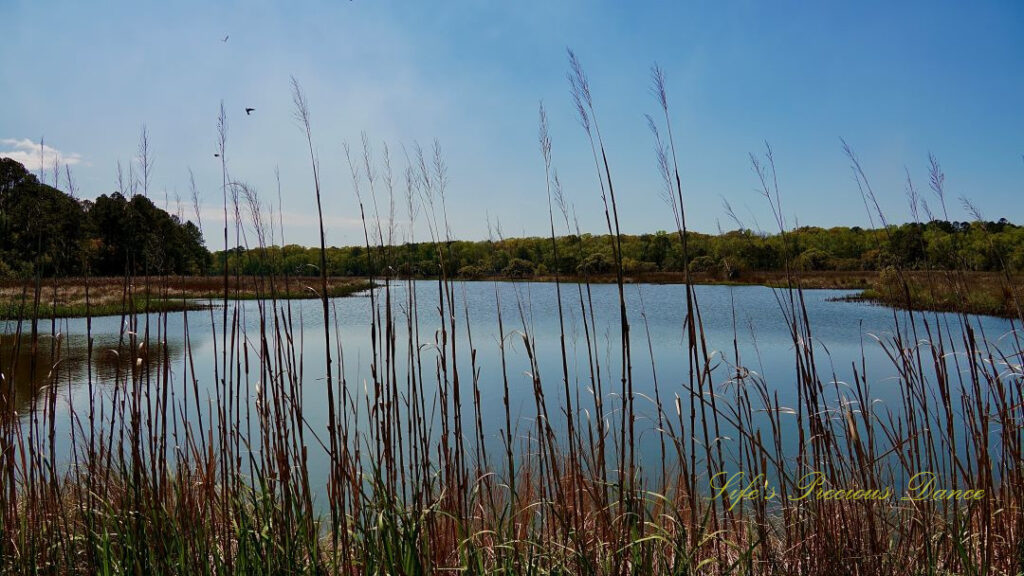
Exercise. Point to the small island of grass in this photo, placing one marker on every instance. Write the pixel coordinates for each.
(80, 297)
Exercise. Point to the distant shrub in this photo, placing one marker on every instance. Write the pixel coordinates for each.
(732, 269)
(519, 268)
(1016, 260)
(848, 264)
(706, 263)
(471, 272)
(632, 266)
(877, 259)
(815, 259)
(595, 264)
(888, 282)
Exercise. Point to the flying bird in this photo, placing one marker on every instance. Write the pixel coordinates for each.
(225, 38)
(249, 111)
(216, 155)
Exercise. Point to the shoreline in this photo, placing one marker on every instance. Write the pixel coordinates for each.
(116, 296)
(949, 291)
(980, 293)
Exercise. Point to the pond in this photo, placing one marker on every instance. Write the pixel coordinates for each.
(748, 321)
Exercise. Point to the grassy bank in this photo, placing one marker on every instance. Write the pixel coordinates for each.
(985, 293)
(771, 278)
(79, 297)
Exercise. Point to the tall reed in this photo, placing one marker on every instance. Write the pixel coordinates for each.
(166, 473)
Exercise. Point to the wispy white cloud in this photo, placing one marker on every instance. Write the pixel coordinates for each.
(291, 219)
(32, 154)
(300, 228)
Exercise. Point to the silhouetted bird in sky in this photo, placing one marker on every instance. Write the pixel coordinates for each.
(225, 38)
(216, 155)
(249, 111)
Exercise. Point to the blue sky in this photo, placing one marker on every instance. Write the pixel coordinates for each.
(896, 81)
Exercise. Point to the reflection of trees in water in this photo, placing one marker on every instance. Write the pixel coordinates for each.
(27, 367)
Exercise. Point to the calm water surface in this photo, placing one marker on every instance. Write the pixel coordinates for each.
(843, 332)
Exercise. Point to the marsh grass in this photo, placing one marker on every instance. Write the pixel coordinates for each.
(109, 296)
(991, 294)
(168, 480)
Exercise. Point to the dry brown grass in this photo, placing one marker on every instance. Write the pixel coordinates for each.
(72, 297)
(987, 293)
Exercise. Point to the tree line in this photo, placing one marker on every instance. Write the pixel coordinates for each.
(45, 231)
(982, 246)
(51, 233)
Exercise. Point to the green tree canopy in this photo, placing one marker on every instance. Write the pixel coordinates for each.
(45, 231)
